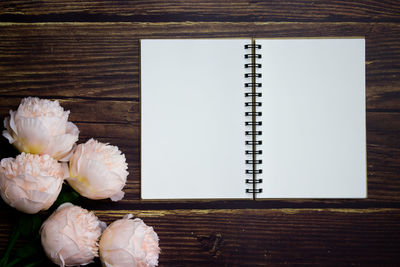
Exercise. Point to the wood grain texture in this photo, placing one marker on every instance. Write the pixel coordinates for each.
(93, 60)
(193, 10)
(265, 237)
(86, 55)
(269, 237)
(118, 123)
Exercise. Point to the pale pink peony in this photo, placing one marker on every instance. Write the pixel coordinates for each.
(98, 171)
(41, 126)
(31, 183)
(129, 243)
(70, 236)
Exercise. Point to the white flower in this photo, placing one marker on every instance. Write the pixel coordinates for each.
(41, 126)
(98, 171)
(129, 243)
(31, 183)
(69, 236)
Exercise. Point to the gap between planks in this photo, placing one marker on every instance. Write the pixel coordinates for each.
(158, 213)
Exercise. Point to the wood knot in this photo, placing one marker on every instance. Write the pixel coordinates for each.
(211, 243)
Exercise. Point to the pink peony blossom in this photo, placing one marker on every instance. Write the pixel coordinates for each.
(98, 171)
(31, 183)
(129, 243)
(70, 236)
(41, 126)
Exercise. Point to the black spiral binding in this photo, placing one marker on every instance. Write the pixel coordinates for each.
(254, 117)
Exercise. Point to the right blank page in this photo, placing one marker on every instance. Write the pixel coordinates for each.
(313, 118)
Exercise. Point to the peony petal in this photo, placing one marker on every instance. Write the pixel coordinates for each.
(68, 156)
(74, 161)
(117, 196)
(55, 125)
(62, 260)
(71, 129)
(46, 199)
(11, 122)
(61, 145)
(94, 180)
(27, 205)
(65, 169)
(71, 232)
(98, 171)
(71, 237)
(32, 201)
(9, 132)
(127, 216)
(127, 243)
(25, 181)
(120, 257)
(80, 258)
(32, 135)
(112, 239)
(7, 135)
(140, 229)
(100, 178)
(64, 205)
(30, 183)
(12, 192)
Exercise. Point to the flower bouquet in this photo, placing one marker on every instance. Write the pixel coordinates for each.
(32, 182)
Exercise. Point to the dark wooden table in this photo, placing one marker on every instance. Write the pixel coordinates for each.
(85, 54)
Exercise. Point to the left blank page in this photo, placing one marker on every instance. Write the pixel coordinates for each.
(192, 119)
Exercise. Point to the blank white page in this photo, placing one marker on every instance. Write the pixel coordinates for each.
(192, 119)
(313, 114)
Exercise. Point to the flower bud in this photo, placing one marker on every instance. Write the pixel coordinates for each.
(98, 171)
(69, 236)
(30, 183)
(129, 243)
(41, 126)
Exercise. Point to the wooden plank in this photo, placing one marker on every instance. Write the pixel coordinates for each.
(87, 110)
(101, 60)
(111, 111)
(264, 237)
(123, 130)
(93, 69)
(267, 237)
(192, 10)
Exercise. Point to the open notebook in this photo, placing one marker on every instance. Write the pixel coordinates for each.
(245, 118)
